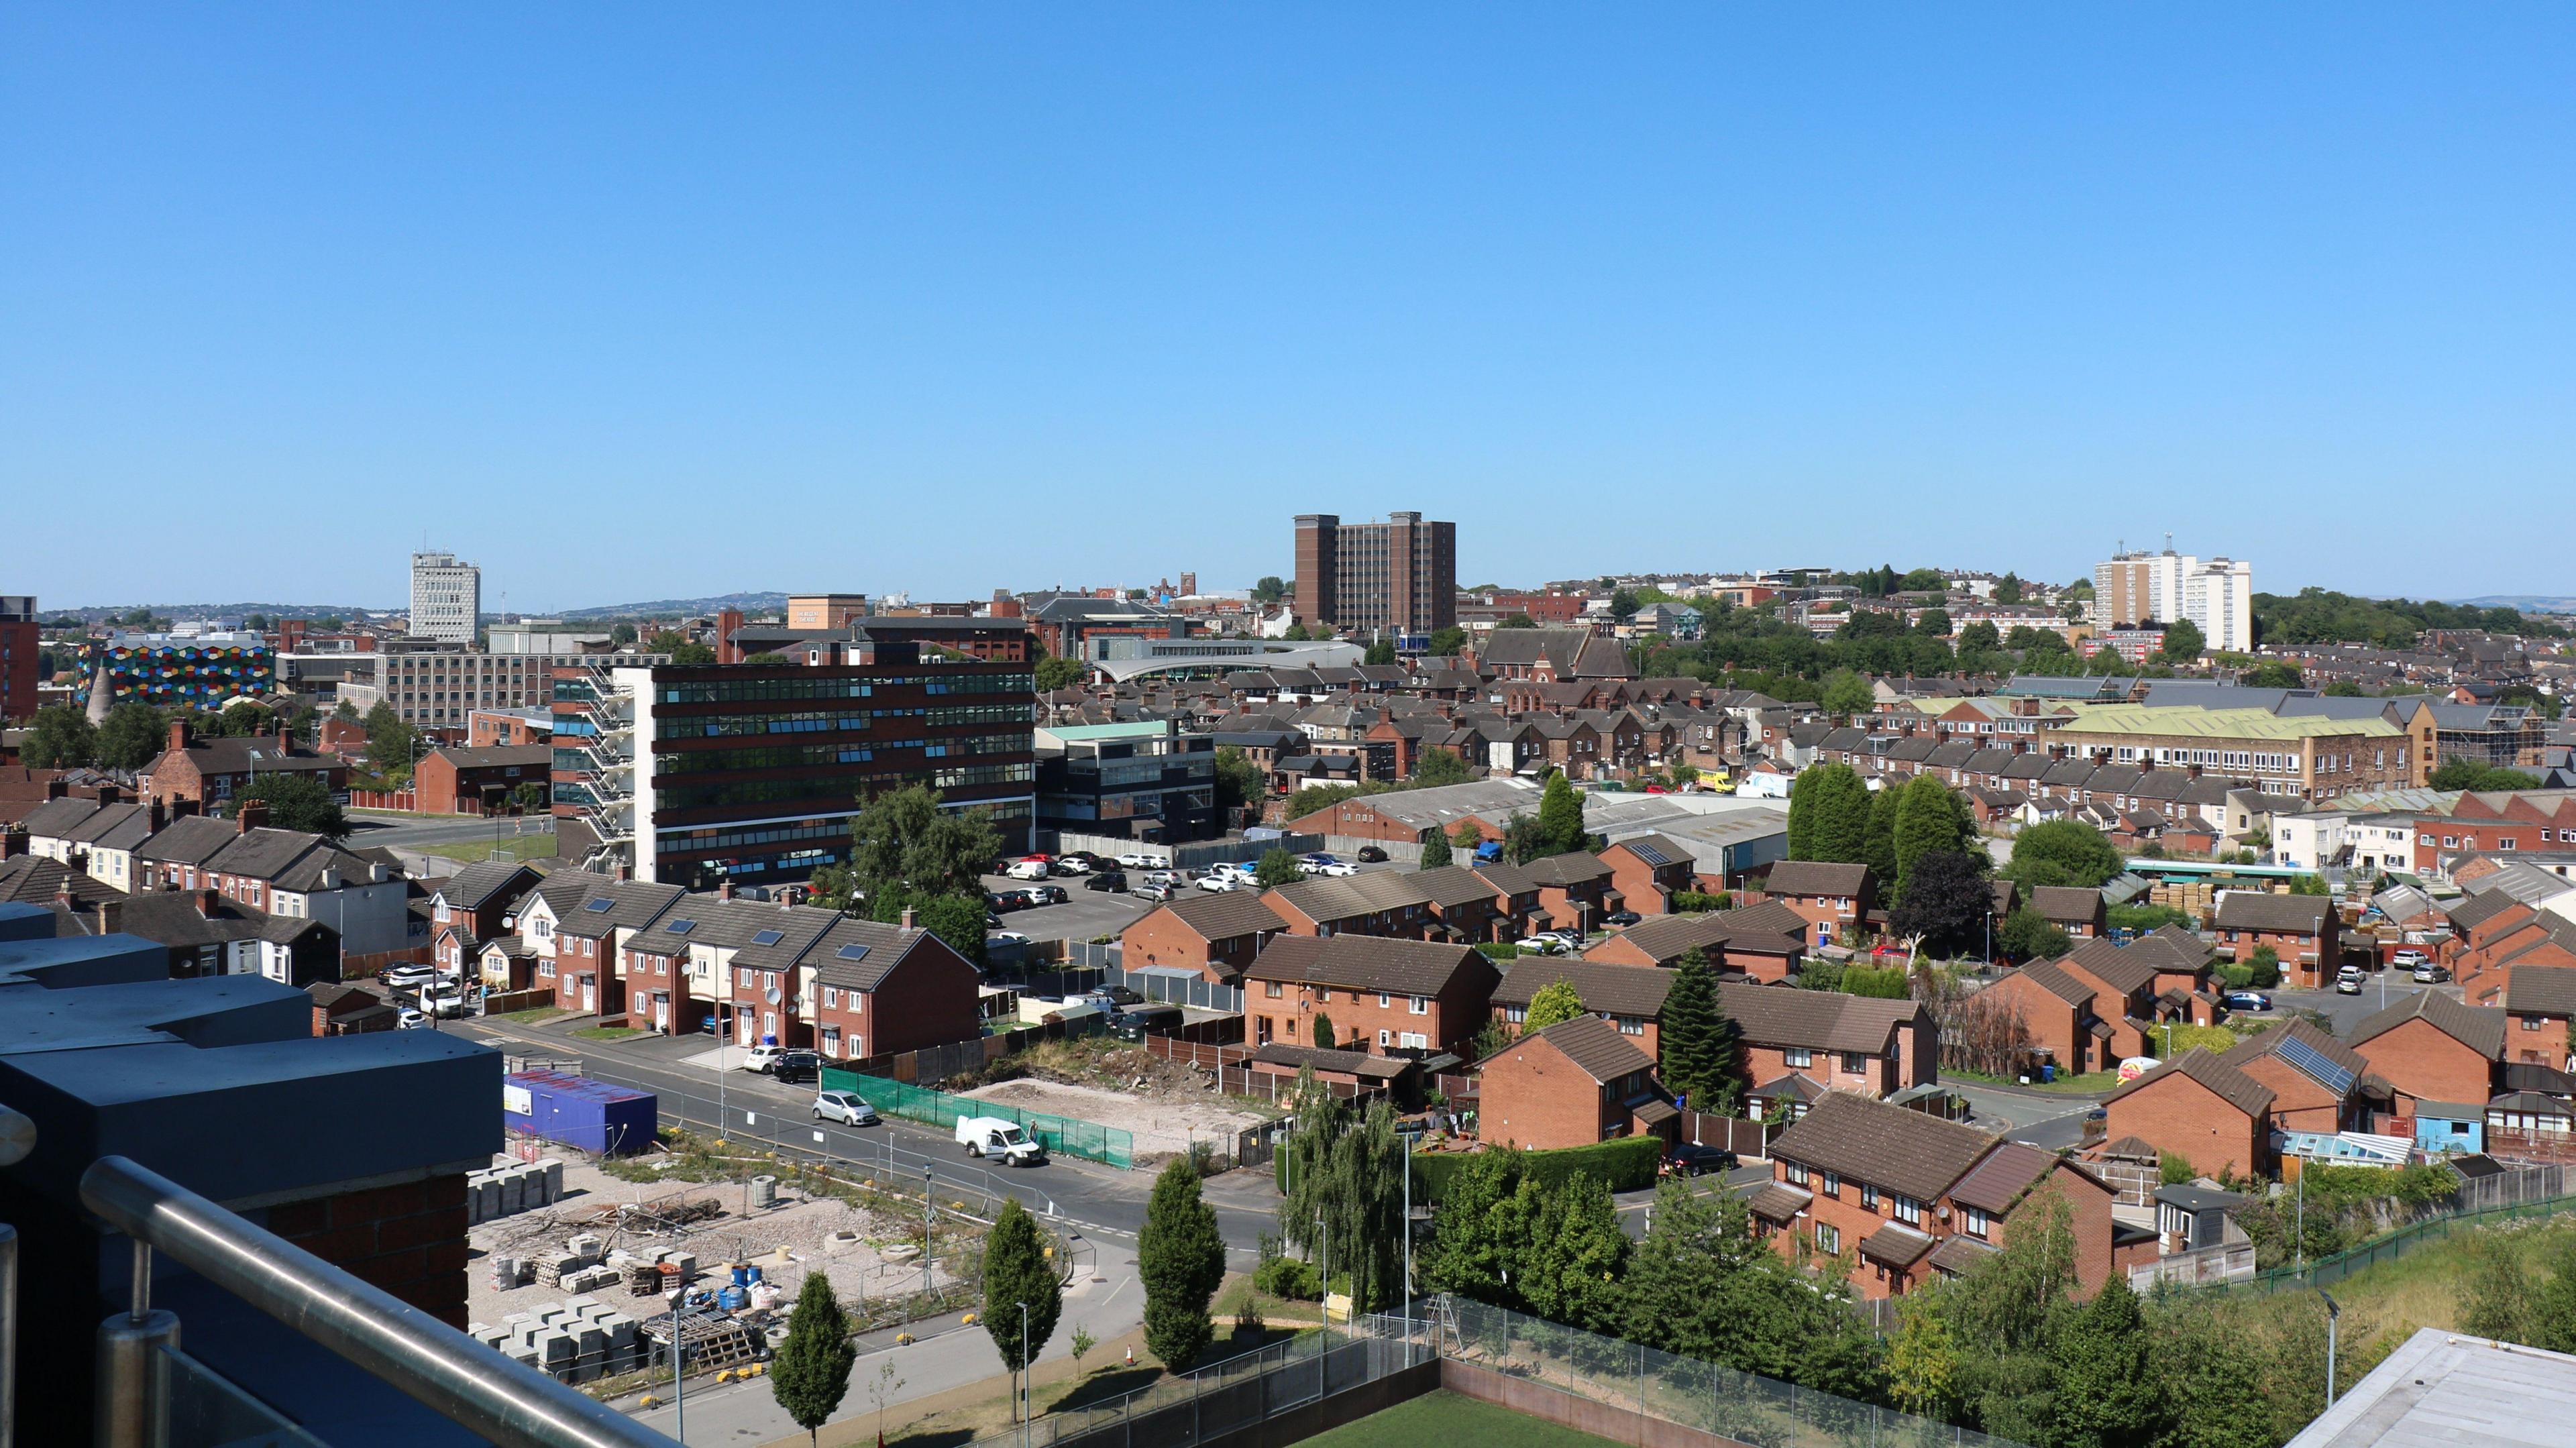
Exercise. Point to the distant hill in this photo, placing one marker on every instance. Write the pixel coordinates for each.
(662, 607)
(97, 612)
(2522, 602)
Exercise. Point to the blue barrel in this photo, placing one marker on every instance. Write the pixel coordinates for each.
(734, 1299)
(741, 1275)
(752, 1274)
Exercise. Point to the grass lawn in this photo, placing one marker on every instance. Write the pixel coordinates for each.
(508, 847)
(609, 1033)
(534, 1014)
(1447, 1420)
(2092, 1083)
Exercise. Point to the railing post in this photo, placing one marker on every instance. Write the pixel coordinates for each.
(130, 1407)
(8, 1334)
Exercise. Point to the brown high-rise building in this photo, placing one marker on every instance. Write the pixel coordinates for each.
(1399, 575)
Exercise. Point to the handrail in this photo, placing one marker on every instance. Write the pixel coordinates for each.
(503, 1400)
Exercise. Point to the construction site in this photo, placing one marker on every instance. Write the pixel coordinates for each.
(590, 1275)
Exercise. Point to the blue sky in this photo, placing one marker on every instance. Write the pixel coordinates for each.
(638, 302)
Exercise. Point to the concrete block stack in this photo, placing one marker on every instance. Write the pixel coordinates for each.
(576, 1340)
(504, 1191)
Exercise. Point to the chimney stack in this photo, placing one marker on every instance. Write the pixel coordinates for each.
(249, 815)
(55, 788)
(109, 794)
(178, 735)
(725, 890)
(206, 903)
(183, 808)
(911, 918)
(156, 817)
(111, 916)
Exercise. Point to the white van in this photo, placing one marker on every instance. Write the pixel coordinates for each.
(1028, 870)
(992, 1136)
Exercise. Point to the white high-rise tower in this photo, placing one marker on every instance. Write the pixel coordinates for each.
(446, 598)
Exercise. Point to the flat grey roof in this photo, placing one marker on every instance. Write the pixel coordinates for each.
(2446, 1389)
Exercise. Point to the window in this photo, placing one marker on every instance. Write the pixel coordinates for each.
(1855, 1062)
(1829, 1184)
(1292, 1028)
(1323, 995)
(1797, 1171)
(1516, 1014)
(831, 997)
(1829, 1240)
(1384, 1039)
(1797, 1056)
(1977, 1223)
(545, 970)
(1869, 1197)
(1384, 1000)
(2531, 1023)
(1632, 1026)
(1270, 989)
(1422, 1005)
(1909, 1211)
(1413, 1039)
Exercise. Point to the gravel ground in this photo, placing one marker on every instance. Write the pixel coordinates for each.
(1155, 1125)
(787, 1241)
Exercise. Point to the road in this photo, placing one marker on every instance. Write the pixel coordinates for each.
(413, 832)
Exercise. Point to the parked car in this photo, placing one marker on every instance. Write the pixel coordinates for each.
(795, 1066)
(2348, 980)
(1113, 997)
(1046, 895)
(2430, 974)
(409, 977)
(2248, 1000)
(1004, 901)
(410, 1020)
(1328, 867)
(1151, 890)
(845, 1107)
(1072, 865)
(1542, 945)
(762, 1059)
(1216, 884)
(1691, 1159)
(2408, 959)
(1028, 869)
(1371, 855)
(1005, 937)
(1133, 861)
(1132, 1023)
(1621, 919)
(1107, 880)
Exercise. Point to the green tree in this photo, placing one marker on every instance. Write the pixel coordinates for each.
(1518, 620)
(1829, 815)
(1922, 1359)
(1697, 1041)
(61, 737)
(2062, 852)
(1435, 851)
(1297, 633)
(132, 736)
(1933, 623)
(1847, 694)
(2108, 1393)
(1239, 781)
(1017, 1271)
(1981, 637)
(1270, 589)
(1553, 1002)
(1470, 1253)
(1058, 673)
(2028, 935)
(2008, 589)
(1928, 820)
(902, 840)
(392, 747)
(1446, 642)
(297, 801)
(1523, 840)
(2471, 774)
(1180, 1257)
(1577, 1253)
(1923, 580)
(1438, 766)
(1277, 868)
(622, 635)
(1878, 844)
(1560, 816)
(812, 1368)
(2274, 674)
(693, 655)
(2184, 642)
(1342, 1177)
(1323, 1031)
(1381, 652)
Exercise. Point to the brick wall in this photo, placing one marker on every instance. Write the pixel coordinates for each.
(1161, 938)
(408, 1239)
(2179, 1115)
(1532, 1097)
(2428, 1065)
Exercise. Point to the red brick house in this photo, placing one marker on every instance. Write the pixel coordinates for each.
(480, 781)
(1910, 1198)
(1516, 900)
(2432, 1047)
(1663, 941)
(1380, 994)
(1385, 902)
(1856, 1044)
(1646, 870)
(2539, 1004)
(2316, 1081)
(1834, 899)
(2303, 930)
(468, 908)
(2497, 935)
(874, 990)
(2057, 1013)
(2079, 912)
(1632, 999)
(1572, 1084)
(2201, 1109)
(1574, 889)
(210, 771)
(345, 1010)
(1215, 935)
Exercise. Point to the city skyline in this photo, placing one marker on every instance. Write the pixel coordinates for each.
(709, 276)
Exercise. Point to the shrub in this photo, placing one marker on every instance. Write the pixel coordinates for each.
(1890, 983)
(1626, 1163)
(1695, 902)
(1292, 1279)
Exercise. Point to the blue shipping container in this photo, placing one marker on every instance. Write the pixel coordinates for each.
(578, 1111)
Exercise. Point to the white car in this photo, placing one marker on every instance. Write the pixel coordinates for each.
(845, 1107)
(763, 1059)
(1005, 937)
(1541, 945)
(1217, 884)
(2348, 981)
(410, 1020)
(1337, 867)
(1141, 862)
(2409, 959)
(411, 977)
(1072, 865)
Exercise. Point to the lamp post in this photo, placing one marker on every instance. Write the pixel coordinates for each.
(1024, 1373)
(2334, 1312)
(1327, 1229)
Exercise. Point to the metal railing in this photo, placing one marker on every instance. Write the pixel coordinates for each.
(140, 1369)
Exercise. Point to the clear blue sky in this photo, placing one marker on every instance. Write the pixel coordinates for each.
(628, 302)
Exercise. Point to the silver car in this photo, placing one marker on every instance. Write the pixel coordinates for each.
(845, 1107)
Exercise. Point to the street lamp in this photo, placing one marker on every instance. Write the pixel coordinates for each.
(1327, 1229)
(2334, 1313)
(1024, 1373)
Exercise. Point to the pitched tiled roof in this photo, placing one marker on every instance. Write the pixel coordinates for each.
(40, 880)
(1886, 1146)
(475, 885)
(1506, 879)
(1819, 1020)
(1668, 937)
(2053, 978)
(1957, 1255)
(2262, 910)
(878, 949)
(2066, 902)
(1331, 897)
(1619, 990)
(55, 819)
(1815, 877)
(2480, 1028)
(2477, 909)
(1897, 1245)
(2000, 1180)
(1354, 1063)
(1450, 886)
(628, 905)
(2229, 1084)
(189, 840)
(1777, 1201)
(1767, 926)
(1224, 916)
(2541, 990)
(1594, 1046)
(1572, 868)
(1367, 962)
(2112, 965)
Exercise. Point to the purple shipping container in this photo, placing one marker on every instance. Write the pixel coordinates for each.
(578, 1111)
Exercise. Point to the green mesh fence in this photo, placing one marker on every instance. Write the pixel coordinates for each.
(1059, 1134)
(2326, 1271)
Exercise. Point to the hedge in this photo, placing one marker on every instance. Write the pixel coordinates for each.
(1627, 1163)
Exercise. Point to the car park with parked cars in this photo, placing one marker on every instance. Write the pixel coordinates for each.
(1107, 880)
(1137, 861)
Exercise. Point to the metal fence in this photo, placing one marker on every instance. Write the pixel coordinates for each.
(2326, 1271)
(1061, 1135)
(1630, 1377)
(1176, 989)
(1236, 1393)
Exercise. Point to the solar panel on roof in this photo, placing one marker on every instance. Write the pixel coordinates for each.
(681, 927)
(2315, 1066)
(1648, 853)
(769, 937)
(600, 906)
(852, 952)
